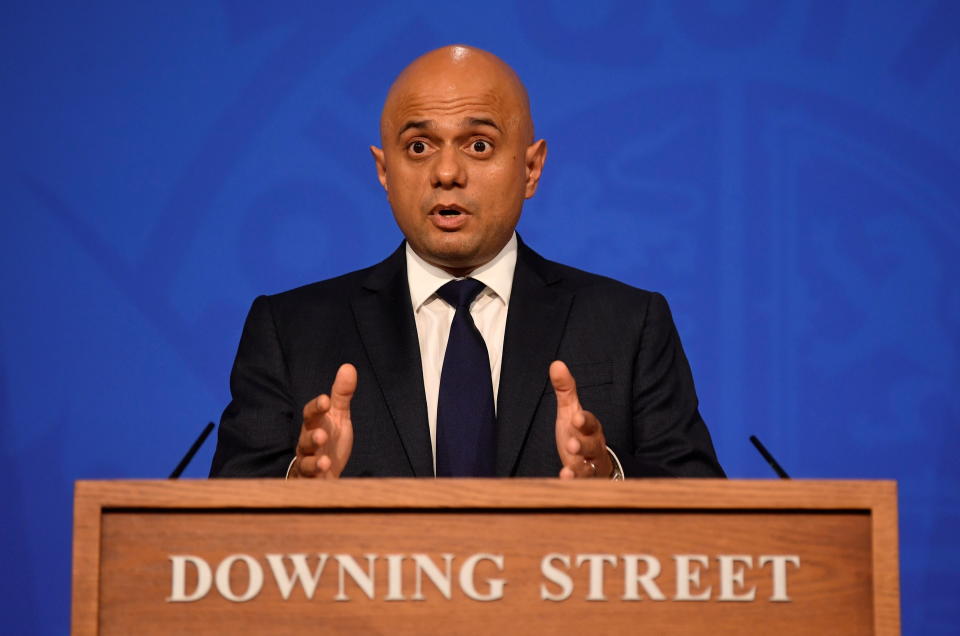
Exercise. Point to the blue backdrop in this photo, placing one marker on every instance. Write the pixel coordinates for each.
(785, 172)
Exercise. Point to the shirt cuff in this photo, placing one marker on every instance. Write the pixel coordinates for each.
(617, 466)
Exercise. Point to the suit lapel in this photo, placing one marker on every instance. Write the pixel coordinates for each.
(535, 324)
(384, 319)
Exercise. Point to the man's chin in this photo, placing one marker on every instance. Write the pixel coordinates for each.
(451, 255)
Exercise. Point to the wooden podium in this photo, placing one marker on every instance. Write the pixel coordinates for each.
(405, 556)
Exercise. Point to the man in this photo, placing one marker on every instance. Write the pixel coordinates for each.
(581, 376)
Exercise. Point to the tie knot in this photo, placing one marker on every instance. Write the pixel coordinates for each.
(460, 293)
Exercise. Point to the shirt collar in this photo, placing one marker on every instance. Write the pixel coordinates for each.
(425, 279)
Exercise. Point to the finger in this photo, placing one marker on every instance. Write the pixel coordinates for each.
(307, 466)
(306, 445)
(590, 468)
(586, 423)
(592, 449)
(319, 437)
(564, 386)
(587, 468)
(344, 385)
(314, 409)
(574, 446)
(590, 433)
(323, 464)
(579, 468)
(589, 449)
(583, 424)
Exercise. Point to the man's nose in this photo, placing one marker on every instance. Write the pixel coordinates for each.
(448, 169)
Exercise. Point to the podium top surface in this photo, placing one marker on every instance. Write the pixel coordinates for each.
(492, 493)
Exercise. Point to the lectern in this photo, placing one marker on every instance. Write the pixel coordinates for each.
(485, 556)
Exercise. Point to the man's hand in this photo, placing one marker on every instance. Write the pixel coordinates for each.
(326, 437)
(580, 441)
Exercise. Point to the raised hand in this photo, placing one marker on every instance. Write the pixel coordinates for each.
(326, 437)
(580, 441)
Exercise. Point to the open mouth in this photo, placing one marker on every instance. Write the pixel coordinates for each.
(449, 217)
(448, 210)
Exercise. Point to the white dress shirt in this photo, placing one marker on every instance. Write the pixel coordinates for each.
(433, 317)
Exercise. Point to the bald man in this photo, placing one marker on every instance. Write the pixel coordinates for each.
(346, 377)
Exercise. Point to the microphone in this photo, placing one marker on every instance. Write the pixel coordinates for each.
(770, 460)
(193, 451)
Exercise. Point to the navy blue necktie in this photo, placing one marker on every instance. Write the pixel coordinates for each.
(466, 421)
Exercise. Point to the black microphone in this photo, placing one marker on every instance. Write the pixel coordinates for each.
(193, 451)
(770, 460)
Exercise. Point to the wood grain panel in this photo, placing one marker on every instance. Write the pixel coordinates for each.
(840, 530)
(831, 591)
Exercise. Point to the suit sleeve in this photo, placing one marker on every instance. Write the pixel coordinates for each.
(259, 428)
(670, 437)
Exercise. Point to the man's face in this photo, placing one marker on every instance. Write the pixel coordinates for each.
(457, 160)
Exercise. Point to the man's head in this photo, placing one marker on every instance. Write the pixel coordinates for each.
(458, 156)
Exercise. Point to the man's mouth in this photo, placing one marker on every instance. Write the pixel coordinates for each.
(449, 217)
(445, 209)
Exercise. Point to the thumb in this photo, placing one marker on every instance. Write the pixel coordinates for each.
(564, 386)
(343, 388)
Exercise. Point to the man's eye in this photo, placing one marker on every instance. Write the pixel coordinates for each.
(480, 146)
(418, 147)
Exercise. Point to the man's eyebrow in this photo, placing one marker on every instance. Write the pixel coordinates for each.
(421, 123)
(427, 124)
(482, 121)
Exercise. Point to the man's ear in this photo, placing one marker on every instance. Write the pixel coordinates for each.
(381, 165)
(535, 157)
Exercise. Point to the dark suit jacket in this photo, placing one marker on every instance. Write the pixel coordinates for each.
(619, 342)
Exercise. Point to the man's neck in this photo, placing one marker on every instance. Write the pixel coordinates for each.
(424, 278)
